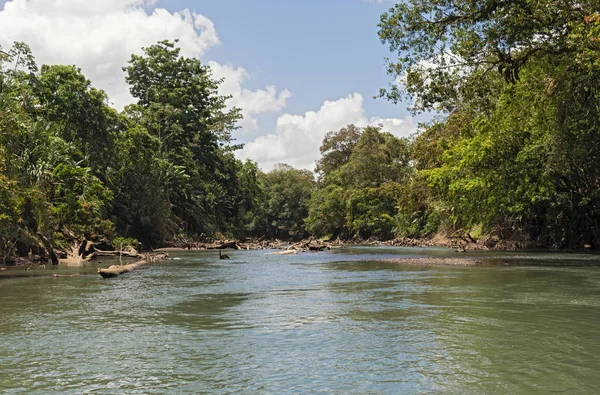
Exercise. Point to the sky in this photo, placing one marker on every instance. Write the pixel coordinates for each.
(297, 68)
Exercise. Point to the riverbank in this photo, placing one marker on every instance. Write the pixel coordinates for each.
(459, 243)
(82, 253)
(431, 261)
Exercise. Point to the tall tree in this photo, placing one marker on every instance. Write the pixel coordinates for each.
(80, 112)
(178, 102)
(336, 149)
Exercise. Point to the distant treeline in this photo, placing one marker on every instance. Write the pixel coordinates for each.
(515, 152)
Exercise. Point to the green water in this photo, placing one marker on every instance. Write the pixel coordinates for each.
(333, 322)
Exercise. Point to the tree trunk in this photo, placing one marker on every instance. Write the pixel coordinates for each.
(49, 248)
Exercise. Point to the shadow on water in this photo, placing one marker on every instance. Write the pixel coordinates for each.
(205, 312)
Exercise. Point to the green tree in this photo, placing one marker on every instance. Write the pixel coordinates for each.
(336, 149)
(371, 211)
(140, 181)
(79, 112)
(249, 198)
(327, 212)
(178, 102)
(54, 191)
(443, 47)
(287, 193)
(516, 153)
(376, 159)
(359, 192)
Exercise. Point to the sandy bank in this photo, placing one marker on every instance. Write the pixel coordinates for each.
(461, 262)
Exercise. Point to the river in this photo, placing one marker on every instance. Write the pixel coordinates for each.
(334, 323)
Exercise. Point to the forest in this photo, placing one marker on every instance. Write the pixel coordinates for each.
(513, 153)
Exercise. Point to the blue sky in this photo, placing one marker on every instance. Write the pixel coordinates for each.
(297, 69)
(317, 49)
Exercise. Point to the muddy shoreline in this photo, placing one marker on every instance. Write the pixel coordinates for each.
(456, 243)
(459, 244)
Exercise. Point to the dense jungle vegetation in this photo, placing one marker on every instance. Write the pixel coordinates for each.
(514, 152)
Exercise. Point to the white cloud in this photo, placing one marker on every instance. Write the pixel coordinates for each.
(100, 35)
(251, 102)
(298, 137)
(398, 127)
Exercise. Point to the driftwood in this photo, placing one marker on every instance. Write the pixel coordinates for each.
(287, 252)
(81, 252)
(261, 244)
(126, 254)
(233, 244)
(84, 251)
(116, 270)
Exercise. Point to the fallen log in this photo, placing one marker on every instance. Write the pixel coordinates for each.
(126, 254)
(286, 252)
(82, 252)
(224, 245)
(116, 270)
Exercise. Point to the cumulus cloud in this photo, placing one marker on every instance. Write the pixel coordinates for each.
(251, 102)
(298, 137)
(100, 36)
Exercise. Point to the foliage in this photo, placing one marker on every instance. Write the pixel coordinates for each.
(444, 46)
(287, 192)
(515, 151)
(517, 154)
(327, 212)
(179, 104)
(361, 174)
(73, 167)
(370, 211)
(337, 148)
(121, 242)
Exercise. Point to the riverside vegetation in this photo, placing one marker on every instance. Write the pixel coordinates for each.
(513, 157)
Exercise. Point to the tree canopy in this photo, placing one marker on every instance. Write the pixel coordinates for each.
(517, 153)
(513, 153)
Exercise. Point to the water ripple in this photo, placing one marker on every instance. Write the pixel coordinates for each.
(318, 323)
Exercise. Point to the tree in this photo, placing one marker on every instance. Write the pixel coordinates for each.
(336, 149)
(360, 189)
(517, 153)
(327, 212)
(443, 47)
(249, 198)
(141, 183)
(287, 192)
(370, 211)
(178, 102)
(55, 192)
(376, 159)
(79, 112)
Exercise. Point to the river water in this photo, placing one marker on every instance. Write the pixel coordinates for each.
(334, 322)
